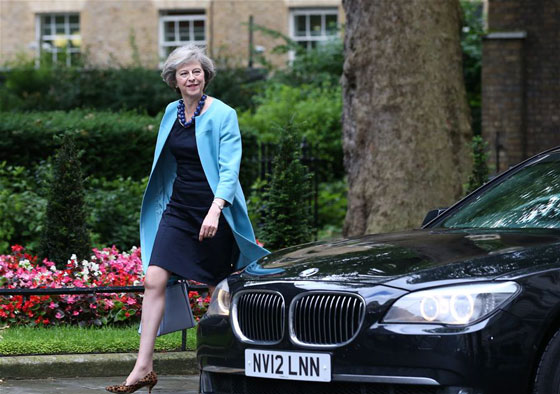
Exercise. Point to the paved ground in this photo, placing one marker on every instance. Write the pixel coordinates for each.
(167, 384)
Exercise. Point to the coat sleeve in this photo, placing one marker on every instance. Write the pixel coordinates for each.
(229, 157)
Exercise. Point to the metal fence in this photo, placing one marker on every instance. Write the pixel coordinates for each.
(258, 164)
(92, 290)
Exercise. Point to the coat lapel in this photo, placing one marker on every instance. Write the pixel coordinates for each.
(164, 130)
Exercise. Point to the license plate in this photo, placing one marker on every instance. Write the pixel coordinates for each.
(288, 365)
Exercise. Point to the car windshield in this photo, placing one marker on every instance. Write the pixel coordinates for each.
(529, 198)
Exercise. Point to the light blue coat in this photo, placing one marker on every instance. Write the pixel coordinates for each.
(219, 146)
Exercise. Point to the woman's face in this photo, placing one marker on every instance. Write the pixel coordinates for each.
(190, 79)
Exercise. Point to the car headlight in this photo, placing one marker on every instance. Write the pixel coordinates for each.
(455, 305)
(220, 301)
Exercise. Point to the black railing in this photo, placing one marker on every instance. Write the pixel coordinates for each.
(258, 160)
(92, 290)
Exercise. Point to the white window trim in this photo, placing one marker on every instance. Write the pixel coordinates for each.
(294, 12)
(40, 37)
(323, 12)
(162, 44)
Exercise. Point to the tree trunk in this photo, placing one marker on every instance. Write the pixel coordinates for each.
(406, 123)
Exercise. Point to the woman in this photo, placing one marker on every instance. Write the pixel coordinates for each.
(194, 221)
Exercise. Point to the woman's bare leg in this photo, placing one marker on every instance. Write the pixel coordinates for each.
(152, 312)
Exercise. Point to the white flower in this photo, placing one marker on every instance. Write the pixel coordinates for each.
(25, 264)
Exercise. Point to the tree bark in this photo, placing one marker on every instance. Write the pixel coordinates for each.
(406, 122)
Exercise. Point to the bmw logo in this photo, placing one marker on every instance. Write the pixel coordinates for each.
(308, 272)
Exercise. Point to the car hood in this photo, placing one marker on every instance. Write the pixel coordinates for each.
(413, 259)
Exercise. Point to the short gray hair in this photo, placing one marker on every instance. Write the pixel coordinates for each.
(186, 54)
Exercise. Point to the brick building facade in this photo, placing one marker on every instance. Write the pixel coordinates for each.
(119, 32)
(521, 79)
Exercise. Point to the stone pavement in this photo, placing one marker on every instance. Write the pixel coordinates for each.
(167, 384)
(90, 365)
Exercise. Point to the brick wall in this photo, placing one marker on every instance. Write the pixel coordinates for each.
(107, 26)
(521, 78)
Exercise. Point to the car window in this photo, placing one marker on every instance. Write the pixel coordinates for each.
(529, 198)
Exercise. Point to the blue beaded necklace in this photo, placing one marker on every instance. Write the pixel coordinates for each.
(181, 112)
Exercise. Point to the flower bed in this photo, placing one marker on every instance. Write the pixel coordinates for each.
(106, 267)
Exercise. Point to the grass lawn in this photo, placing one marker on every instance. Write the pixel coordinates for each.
(70, 339)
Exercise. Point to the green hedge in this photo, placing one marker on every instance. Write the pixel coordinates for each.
(27, 88)
(112, 208)
(112, 144)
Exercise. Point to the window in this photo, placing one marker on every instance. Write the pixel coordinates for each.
(178, 28)
(311, 26)
(58, 35)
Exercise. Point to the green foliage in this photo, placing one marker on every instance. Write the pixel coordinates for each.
(316, 66)
(78, 340)
(48, 87)
(114, 211)
(51, 87)
(332, 204)
(112, 206)
(236, 86)
(22, 206)
(65, 231)
(480, 171)
(315, 109)
(256, 205)
(113, 143)
(471, 44)
(288, 215)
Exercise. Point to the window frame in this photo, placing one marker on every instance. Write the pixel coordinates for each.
(40, 37)
(308, 12)
(191, 17)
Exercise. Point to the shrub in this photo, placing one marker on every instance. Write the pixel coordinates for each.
(48, 87)
(316, 111)
(22, 205)
(112, 206)
(256, 205)
(113, 143)
(65, 229)
(106, 267)
(480, 171)
(287, 214)
(318, 65)
(332, 205)
(114, 211)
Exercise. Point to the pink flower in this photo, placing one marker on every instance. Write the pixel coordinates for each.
(52, 305)
(131, 301)
(75, 313)
(59, 315)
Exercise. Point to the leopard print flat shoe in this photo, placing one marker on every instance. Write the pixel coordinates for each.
(149, 380)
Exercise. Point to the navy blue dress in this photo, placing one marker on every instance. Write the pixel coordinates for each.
(176, 247)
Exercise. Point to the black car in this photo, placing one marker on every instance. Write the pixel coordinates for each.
(468, 304)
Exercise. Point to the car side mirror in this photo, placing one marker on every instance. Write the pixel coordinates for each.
(431, 215)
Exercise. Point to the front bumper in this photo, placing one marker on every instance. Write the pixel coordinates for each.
(486, 358)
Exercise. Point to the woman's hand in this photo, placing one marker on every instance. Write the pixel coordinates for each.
(210, 224)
